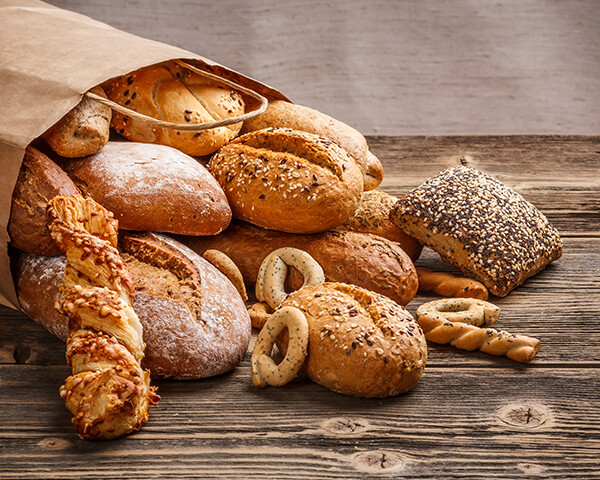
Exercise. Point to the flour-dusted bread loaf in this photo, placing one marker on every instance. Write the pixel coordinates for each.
(281, 114)
(39, 180)
(373, 216)
(195, 322)
(152, 188)
(83, 131)
(361, 259)
(359, 343)
(288, 180)
(481, 226)
(169, 92)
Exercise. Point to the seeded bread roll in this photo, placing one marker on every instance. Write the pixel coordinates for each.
(297, 117)
(195, 322)
(479, 225)
(39, 180)
(152, 188)
(83, 131)
(361, 259)
(288, 180)
(169, 92)
(373, 216)
(359, 343)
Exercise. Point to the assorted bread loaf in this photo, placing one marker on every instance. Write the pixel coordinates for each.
(172, 93)
(83, 131)
(288, 180)
(152, 188)
(289, 184)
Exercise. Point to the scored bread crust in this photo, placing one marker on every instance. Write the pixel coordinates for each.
(169, 92)
(288, 180)
(362, 259)
(360, 343)
(195, 323)
(490, 232)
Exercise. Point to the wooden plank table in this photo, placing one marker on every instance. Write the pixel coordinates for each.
(471, 416)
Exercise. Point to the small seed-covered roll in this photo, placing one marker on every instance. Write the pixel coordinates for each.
(288, 180)
(360, 343)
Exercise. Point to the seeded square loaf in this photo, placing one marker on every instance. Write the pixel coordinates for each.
(490, 232)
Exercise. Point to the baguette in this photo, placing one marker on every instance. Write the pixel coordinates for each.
(83, 131)
(361, 259)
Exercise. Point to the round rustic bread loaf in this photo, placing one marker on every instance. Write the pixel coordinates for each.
(169, 92)
(39, 180)
(152, 188)
(288, 180)
(360, 343)
(195, 322)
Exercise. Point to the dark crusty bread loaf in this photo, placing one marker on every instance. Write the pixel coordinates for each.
(361, 259)
(481, 226)
(281, 114)
(152, 188)
(360, 343)
(169, 92)
(288, 180)
(195, 322)
(83, 131)
(39, 180)
(373, 216)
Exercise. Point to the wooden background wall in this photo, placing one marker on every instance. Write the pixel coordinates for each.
(398, 67)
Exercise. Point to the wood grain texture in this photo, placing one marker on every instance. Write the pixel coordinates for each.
(472, 415)
(397, 67)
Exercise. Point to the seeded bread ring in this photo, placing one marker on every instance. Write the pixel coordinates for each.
(273, 270)
(468, 310)
(264, 370)
(228, 268)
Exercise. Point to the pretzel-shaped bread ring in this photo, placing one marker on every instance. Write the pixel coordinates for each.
(228, 268)
(468, 310)
(264, 370)
(273, 270)
(465, 336)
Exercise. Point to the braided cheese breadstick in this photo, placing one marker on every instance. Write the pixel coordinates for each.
(466, 336)
(109, 393)
(448, 285)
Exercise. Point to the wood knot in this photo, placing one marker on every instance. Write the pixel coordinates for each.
(21, 353)
(378, 461)
(53, 443)
(345, 426)
(524, 415)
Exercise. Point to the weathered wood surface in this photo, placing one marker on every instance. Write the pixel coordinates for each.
(397, 67)
(471, 416)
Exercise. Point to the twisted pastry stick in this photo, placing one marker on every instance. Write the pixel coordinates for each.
(465, 336)
(109, 394)
(448, 285)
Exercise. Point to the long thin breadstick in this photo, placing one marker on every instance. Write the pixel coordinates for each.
(448, 285)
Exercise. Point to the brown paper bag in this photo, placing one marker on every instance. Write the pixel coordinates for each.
(49, 57)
